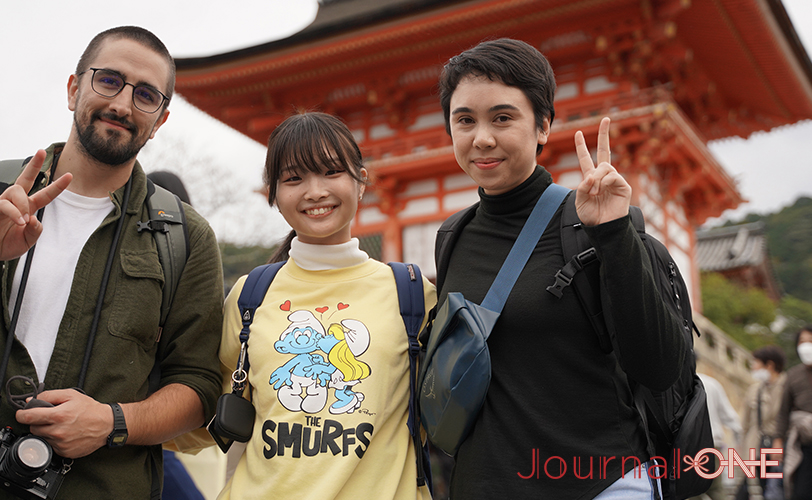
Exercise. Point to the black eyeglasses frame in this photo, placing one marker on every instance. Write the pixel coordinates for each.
(150, 87)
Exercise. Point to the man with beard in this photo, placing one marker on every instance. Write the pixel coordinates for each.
(82, 330)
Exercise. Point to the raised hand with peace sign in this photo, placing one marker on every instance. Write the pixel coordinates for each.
(19, 227)
(603, 195)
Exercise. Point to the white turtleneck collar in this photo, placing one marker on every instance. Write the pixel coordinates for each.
(322, 257)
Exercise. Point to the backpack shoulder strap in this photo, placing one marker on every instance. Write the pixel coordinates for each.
(253, 293)
(578, 254)
(10, 170)
(638, 221)
(251, 296)
(167, 222)
(447, 237)
(409, 283)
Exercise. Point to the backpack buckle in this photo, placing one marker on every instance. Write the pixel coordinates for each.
(564, 276)
(153, 226)
(586, 257)
(414, 346)
(562, 281)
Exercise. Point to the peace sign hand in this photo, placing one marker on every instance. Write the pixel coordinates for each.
(603, 195)
(19, 226)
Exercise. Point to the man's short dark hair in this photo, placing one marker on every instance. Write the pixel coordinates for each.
(512, 62)
(136, 34)
(771, 353)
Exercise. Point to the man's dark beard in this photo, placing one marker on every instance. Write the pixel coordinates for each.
(108, 151)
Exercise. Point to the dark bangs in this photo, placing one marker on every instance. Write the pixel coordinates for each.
(310, 142)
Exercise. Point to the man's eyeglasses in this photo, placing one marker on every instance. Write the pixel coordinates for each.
(108, 83)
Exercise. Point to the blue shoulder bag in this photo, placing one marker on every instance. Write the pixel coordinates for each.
(456, 373)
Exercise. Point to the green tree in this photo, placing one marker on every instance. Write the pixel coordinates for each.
(238, 261)
(789, 239)
(744, 313)
(789, 235)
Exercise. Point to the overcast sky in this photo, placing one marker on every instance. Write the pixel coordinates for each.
(41, 41)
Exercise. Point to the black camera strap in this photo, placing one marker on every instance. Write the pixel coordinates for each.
(17, 304)
(105, 279)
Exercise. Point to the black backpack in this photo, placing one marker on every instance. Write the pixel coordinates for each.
(677, 420)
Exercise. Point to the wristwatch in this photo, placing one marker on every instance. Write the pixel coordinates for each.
(118, 437)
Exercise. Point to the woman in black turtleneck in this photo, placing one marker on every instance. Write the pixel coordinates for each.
(555, 396)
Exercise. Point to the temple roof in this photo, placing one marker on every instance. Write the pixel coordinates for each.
(731, 247)
(333, 17)
(736, 66)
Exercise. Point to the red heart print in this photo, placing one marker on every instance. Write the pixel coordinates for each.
(322, 310)
(342, 305)
(285, 306)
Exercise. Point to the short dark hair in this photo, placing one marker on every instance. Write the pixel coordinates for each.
(512, 62)
(136, 34)
(771, 353)
(805, 328)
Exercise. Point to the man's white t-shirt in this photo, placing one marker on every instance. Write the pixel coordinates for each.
(68, 222)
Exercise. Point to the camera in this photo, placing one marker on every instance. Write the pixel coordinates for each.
(28, 466)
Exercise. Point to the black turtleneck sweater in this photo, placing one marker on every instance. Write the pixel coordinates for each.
(554, 392)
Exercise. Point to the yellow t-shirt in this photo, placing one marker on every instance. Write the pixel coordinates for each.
(329, 375)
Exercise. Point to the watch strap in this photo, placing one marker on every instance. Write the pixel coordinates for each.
(118, 437)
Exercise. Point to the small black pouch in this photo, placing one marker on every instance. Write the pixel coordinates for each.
(234, 421)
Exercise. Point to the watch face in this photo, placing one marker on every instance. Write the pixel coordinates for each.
(118, 439)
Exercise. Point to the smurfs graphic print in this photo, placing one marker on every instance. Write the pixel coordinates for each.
(322, 359)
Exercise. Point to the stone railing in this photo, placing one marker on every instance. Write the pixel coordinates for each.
(724, 359)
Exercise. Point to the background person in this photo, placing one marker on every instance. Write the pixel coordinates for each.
(761, 405)
(113, 428)
(794, 422)
(722, 416)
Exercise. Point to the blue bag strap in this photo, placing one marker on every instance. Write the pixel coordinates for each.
(409, 283)
(533, 228)
(253, 293)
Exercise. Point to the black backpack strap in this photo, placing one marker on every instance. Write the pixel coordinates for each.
(638, 221)
(11, 169)
(579, 254)
(409, 283)
(167, 222)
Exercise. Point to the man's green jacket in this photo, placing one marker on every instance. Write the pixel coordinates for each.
(128, 341)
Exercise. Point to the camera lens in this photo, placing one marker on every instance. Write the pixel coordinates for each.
(34, 453)
(29, 457)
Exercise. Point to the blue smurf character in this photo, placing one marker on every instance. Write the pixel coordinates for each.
(307, 372)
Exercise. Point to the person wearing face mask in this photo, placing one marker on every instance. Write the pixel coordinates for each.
(794, 425)
(761, 406)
